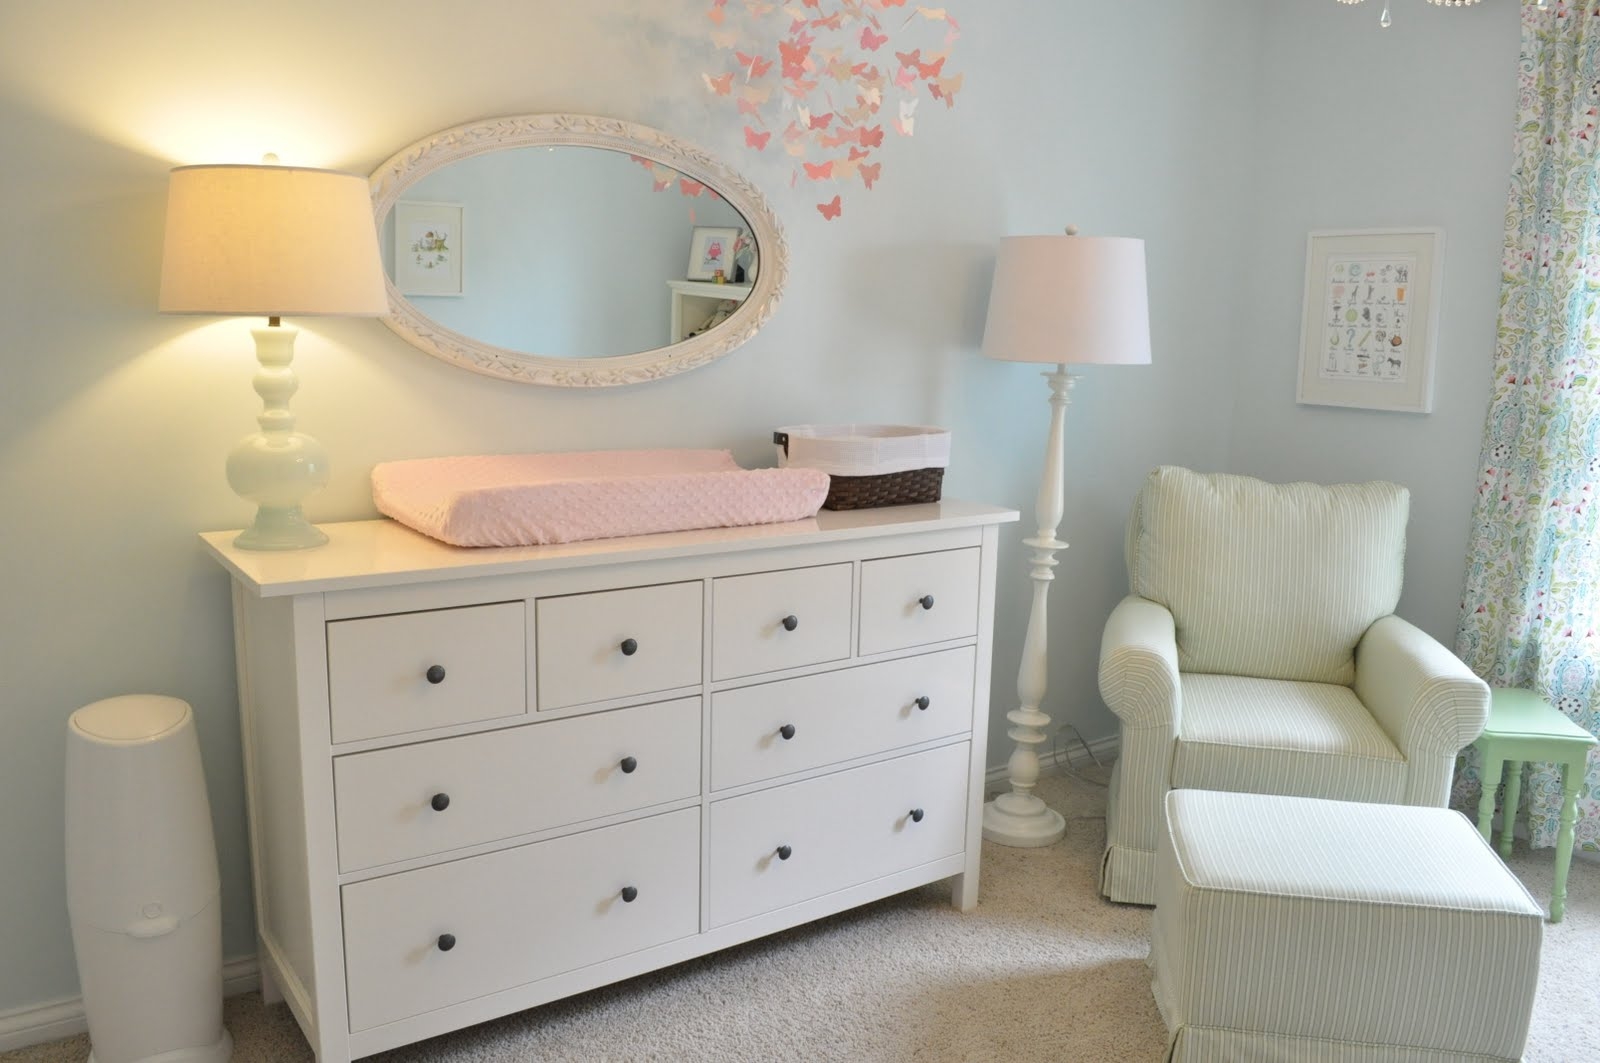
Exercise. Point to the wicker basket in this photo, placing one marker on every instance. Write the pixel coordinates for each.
(870, 465)
(886, 489)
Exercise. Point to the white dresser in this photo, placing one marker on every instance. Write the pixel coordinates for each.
(480, 780)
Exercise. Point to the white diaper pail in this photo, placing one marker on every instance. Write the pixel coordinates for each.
(142, 886)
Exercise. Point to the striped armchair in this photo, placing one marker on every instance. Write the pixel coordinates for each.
(1258, 653)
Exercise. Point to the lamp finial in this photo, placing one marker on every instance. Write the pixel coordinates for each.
(1072, 230)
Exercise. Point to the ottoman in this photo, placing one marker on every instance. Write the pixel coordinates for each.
(1291, 928)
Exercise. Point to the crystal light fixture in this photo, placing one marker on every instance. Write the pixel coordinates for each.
(1386, 21)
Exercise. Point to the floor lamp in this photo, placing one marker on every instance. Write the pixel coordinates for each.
(1058, 300)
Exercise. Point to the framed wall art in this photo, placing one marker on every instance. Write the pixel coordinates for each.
(1370, 318)
(711, 249)
(428, 248)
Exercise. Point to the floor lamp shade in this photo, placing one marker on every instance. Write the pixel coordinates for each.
(270, 241)
(1069, 300)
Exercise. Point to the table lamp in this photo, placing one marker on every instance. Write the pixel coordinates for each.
(272, 241)
(1059, 300)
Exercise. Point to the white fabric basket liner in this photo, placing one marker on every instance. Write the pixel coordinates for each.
(865, 449)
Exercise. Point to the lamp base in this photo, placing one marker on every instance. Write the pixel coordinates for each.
(277, 467)
(278, 528)
(1022, 820)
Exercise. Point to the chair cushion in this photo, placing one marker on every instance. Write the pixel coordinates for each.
(1279, 737)
(1277, 581)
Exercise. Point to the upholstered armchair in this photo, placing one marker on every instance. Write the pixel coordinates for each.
(1257, 653)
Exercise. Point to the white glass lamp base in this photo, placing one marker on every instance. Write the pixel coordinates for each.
(280, 529)
(277, 467)
(1023, 821)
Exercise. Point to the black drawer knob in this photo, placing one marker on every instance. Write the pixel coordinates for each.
(629, 647)
(784, 852)
(926, 601)
(916, 815)
(922, 702)
(791, 622)
(447, 942)
(629, 894)
(440, 802)
(436, 674)
(628, 765)
(787, 731)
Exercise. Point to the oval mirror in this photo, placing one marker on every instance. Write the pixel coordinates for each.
(574, 251)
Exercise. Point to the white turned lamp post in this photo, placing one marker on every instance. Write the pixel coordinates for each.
(1058, 300)
(272, 242)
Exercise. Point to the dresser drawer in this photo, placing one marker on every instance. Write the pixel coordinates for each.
(918, 599)
(773, 620)
(614, 644)
(391, 675)
(517, 916)
(836, 716)
(839, 830)
(516, 781)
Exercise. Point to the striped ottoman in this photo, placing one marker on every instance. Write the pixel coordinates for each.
(1290, 928)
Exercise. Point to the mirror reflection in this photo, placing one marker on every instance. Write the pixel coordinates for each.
(571, 251)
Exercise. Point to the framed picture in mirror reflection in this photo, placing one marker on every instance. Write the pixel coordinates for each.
(428, 248)
(711, 249)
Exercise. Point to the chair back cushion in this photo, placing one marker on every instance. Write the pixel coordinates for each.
(1276, 581)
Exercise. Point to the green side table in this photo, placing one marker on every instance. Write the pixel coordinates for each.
(1524, 727)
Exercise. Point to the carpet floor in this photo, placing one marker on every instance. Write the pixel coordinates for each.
(1043, 970)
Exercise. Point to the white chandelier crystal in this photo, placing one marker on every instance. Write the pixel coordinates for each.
(1385, 21)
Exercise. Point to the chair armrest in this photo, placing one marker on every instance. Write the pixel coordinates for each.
(1421, 694)
(1139, 665)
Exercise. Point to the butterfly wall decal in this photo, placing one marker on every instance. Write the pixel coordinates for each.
(793, 59)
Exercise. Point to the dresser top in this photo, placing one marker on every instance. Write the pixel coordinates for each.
(375, 553)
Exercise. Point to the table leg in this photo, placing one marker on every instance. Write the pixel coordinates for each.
(1508, 809)
(1492, 767)
(1571, 782)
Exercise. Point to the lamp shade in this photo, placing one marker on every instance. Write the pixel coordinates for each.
(1069, 300)
(270, 241)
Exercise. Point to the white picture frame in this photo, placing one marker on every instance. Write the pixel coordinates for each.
(429, 248)
(711, 249)
(1369, 318)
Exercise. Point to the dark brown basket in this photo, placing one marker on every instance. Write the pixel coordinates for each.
(889, 489)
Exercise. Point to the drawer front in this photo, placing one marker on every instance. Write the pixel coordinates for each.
(614, 644)
(773, 620)
(915, 600)
(842, 829)
(516, 781)
(517, 915)
(838, 715)
(392, 675)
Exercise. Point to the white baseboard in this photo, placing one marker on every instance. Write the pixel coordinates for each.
(1069, 753)
(38, 1023)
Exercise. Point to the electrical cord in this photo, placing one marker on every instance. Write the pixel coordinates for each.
(1065, 762)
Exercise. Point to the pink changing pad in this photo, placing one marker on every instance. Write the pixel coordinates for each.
(536, 499)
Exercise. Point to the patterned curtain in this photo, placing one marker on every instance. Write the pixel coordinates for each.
(1529, 613)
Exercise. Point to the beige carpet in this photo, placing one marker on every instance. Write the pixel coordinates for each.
(1042, 970)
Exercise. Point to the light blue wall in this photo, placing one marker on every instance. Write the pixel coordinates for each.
(557, 242)
(1127, 119)
(1366, 128)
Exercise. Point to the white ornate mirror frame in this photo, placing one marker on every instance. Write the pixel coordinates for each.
(411, 164)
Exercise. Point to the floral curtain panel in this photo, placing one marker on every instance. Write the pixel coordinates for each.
(1529, 614)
